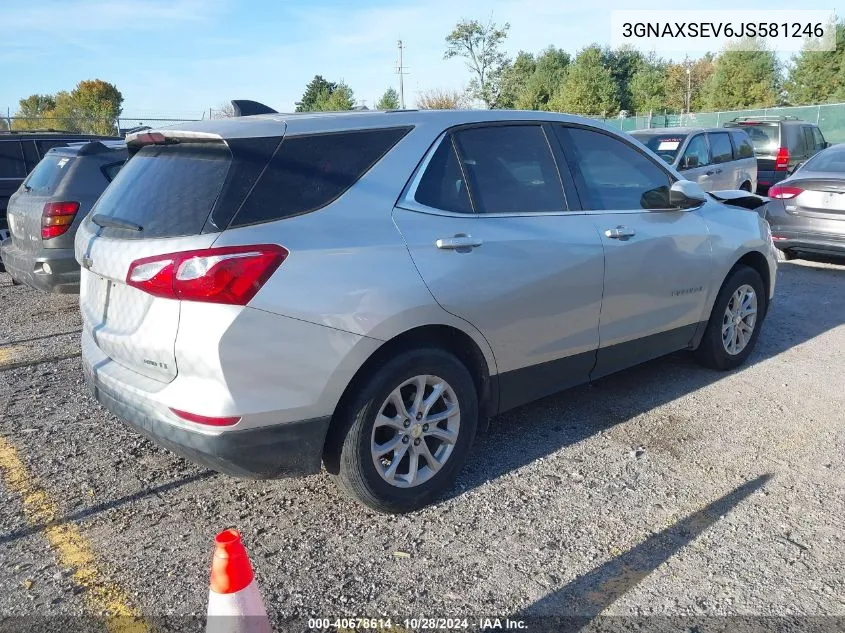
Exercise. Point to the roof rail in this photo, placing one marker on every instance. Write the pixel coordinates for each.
(38, 131)
(245, 107)
(767, 117)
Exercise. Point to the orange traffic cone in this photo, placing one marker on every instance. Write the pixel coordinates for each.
(234, 603)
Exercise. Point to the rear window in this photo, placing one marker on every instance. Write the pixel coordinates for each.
(765, 137)
(827, 161)
(309, 172)
(49, 173)
(664, 145)
(168, 190)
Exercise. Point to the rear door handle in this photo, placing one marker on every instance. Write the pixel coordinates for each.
(460, 242)
(620, 233)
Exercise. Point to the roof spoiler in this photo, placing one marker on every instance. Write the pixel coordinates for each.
(245, 107)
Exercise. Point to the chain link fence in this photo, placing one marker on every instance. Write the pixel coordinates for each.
(829, 117)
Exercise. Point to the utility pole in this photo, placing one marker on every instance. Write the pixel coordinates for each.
(689, 89)
(400, 70)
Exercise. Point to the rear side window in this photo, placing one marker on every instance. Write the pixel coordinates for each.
(744, 148)
(720, 147)
(612, 175)
(49, 173)
(110, 171)
(168, 190)
(442, 186)
(11, 160)
(819, 139)
(510, 169)
(309, 172)
(46, 145)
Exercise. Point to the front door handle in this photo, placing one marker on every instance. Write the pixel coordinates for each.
(461, 242)
(710, 173)
(620, 233)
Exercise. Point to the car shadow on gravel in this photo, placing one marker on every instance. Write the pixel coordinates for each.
(108, 505)
(539, 429)
(590, 594)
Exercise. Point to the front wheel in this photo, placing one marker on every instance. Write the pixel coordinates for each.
(409, 431)
(734, 324)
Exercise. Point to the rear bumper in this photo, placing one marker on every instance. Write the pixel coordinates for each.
(808, 241)
(283, 450)
(28, 267)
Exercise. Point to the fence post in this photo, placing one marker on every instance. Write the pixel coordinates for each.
(818, 113)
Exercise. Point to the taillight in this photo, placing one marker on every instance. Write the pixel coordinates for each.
(784, 192)
(56, 218)
(230, 274)
(202, 419)
(782, 159)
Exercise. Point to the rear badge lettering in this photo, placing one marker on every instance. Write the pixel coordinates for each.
(153, 363)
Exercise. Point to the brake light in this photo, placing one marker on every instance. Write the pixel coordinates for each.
(784, 192)
(202, 419)
(146, 138)
(56, 218)
(782, 159)
(230, 274)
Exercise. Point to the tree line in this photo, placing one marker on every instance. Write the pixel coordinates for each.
(600, 81)
(92, 107)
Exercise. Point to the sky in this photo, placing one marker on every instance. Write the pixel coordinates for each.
(178, 58)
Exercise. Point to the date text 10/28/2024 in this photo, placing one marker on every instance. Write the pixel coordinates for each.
(417, 624)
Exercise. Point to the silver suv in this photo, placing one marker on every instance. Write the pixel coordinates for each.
(264, 293)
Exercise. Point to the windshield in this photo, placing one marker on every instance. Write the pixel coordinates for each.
(664, 145)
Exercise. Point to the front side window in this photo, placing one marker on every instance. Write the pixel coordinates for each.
(442, 185)
(697, 153)
(510, 169)
(720, 147)
(612, 175)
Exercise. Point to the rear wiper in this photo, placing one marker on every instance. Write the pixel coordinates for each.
(116, 223)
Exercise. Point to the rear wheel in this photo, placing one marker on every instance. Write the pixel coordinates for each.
(786, 255)
(735, 322)
(409, 431)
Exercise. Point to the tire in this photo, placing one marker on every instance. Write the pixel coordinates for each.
(713, 350)
(358, 473)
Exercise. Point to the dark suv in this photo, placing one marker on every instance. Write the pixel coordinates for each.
(45, 211)
(780, 143)
(20, 152)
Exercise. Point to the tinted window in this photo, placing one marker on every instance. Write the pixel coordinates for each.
(11, 160)
(169, 190)
(664, 145)
(744, 148)
(510, 169)
(828, 160)
(612, 175)
(817, 136)
(697, 154)
(764, 136)
(442, 186)
(809, 141)
(49, 173)
(795, 139)
(720, 147)
(309, 172)
(110, 171)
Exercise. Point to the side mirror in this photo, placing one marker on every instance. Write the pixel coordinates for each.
(685, 194)
(689, 162)
(826, 144)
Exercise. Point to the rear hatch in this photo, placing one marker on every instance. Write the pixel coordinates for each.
(174, 194)
(26, 206)
(765, 136)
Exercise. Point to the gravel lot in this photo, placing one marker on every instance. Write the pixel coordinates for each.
(667, 489)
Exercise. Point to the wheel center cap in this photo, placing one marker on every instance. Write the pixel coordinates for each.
(737, 320)
(416, 431)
